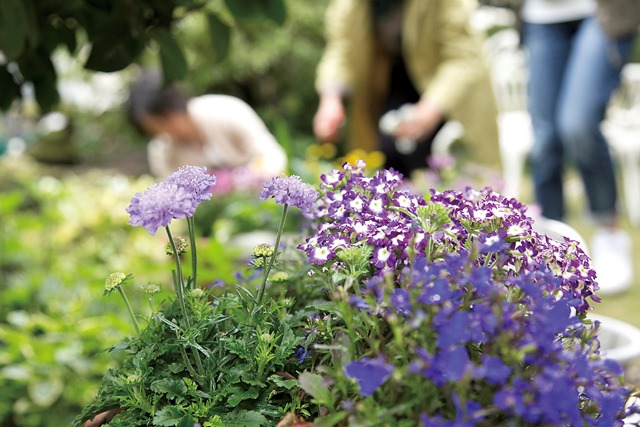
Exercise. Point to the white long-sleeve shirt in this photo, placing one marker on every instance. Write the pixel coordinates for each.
(554, 11)
(234, 136)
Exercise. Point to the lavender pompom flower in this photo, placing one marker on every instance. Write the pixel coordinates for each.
(195, 180)
(290, 190)
(176, 197)
(159, 204)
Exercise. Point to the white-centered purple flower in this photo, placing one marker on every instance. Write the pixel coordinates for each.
(369, 373)
(290, 190)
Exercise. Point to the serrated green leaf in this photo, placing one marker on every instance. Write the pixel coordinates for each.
(187, 421)
(244, 418)
(237, 395)
(14, 27)
(281, 382)
(169, 416)
(174, 64)
(220, 34)
(172, 387)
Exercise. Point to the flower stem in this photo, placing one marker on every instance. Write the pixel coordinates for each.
(272, 259)
(129, 309)
(194, 255)
(178, 279)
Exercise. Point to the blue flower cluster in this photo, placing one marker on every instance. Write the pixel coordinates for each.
(521, 353)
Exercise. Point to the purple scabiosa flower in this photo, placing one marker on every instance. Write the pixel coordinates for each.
(194, 180)
(159, 204)
(369, 373)
(290, 190)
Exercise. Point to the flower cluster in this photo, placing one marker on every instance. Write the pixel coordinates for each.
(177, 197)
(515, 351)
(290, 190)
(355, 210)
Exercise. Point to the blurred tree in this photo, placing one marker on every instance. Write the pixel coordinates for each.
(115, 31)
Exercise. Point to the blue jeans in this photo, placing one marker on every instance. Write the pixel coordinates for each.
(573, 70)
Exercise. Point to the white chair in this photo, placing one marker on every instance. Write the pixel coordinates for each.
(509, 77)
(621, 128)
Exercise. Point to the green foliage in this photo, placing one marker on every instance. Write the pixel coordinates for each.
(117, 31)
(246, 353)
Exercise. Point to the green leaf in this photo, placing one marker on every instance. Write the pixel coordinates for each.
(113, 50)
(173, 388)
(169, 416)
(313, 384)
(244, 418)
(237, 395)
(9, 90)
(220, 34)
(187, 421)
(330, 420)
(247, 10)
(46, 92)
(14, 28)
(174, 64)
(281, 382)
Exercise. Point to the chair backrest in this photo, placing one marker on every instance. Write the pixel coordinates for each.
(624, 107)
(508, 70)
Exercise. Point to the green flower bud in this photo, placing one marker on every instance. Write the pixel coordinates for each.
(279, 276)
(263, 250)
(266, 337)
(181, 246)
(113, 281)
(197, 292)
(150, 289)
(258, 263)
(133, 378)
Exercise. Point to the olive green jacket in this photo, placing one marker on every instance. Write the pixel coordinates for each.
(443, 56)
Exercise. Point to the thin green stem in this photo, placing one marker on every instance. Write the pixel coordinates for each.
(178, 279)
(194, 254)
(272, 259)
(129, 309)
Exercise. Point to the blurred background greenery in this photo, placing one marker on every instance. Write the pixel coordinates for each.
(63, 225)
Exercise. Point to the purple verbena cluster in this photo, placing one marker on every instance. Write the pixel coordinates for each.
(177, 197)
(518, 352)
(357, 210)
(291, 191)
(494, 220)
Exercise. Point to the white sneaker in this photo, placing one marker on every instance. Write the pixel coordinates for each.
(611, 256)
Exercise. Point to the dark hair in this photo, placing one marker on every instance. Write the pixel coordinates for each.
(149, 96)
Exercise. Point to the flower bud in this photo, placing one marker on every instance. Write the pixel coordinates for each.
(279, 276)
(263, 250)
(150, 289)
(197, 292)
(113, 281)
(181, 246)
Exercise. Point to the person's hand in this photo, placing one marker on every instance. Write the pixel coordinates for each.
(329, 118)
(102, 418)
(422, 121)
